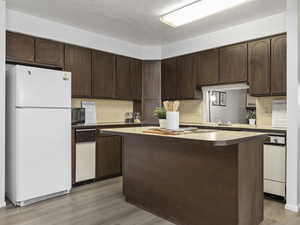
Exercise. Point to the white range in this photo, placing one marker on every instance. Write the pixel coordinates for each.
(38, 150)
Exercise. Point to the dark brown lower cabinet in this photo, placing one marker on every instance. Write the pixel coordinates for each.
(108, 156)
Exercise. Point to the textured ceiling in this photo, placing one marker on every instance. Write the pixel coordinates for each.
(137, 21)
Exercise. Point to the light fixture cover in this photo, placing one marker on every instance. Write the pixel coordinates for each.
(198, 10)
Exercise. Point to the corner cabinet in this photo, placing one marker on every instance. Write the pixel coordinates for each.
(259, 67)
(136, 79)
(169, 79)
(108, 156)
(278, 65)
(79, 61)
(103, 67)
(233, 64)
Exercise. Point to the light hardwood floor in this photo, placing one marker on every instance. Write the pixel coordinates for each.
(102, 203)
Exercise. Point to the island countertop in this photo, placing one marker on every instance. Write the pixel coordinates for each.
(214, 137)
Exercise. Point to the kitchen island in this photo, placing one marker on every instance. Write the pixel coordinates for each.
(210, 177)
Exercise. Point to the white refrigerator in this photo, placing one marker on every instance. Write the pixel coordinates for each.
(38, 127)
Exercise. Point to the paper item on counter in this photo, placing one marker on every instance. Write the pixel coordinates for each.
(279, 114)
(90, 111)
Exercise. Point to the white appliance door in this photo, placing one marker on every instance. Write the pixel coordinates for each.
(85, 161)
(37, 87)
(43, 152)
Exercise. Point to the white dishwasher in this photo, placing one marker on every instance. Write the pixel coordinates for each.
(275, 165)
(85, 157)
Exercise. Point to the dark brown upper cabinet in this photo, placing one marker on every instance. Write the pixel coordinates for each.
(151, 79)
(169, 79)
(278, 65)
(19, 48)
(49, 53)
(103, 70)
(79, 61)
(259, 67)
(108, 156)
(136, 79)
(208, 67)
(233, 64)
(186, 76)
(123, 78)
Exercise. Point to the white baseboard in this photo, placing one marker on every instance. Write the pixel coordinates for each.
(2, 204)
(293, 208)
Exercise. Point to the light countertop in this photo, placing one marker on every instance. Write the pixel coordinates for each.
(237, 127)
(215, 137)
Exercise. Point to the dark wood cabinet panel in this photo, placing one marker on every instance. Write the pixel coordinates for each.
(169, 79)
(123, 78)
(136, 79)
(151, 79)
(208, 67)
(259, 67)
(19, 47)
(49, 52)
(108, 156)
(186, 76)
(278, 65)
(233, 63)
(79, 61)
(103, 70)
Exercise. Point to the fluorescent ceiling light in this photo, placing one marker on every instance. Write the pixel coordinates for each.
(198, 10)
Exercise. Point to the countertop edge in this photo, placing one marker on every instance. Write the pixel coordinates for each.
(213, 143)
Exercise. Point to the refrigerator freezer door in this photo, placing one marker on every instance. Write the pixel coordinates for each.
(43, 152)
(37, 87)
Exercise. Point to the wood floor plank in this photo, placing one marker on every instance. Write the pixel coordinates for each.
(102, 203)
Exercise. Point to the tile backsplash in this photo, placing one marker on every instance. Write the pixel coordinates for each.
(191, 111)
(264, 109)
(108, 110)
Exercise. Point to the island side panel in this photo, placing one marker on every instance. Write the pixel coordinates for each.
(186, 182)
(251, 197)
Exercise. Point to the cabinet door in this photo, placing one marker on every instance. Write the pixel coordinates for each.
(278, 65)
(19, 47)
(208, 67)
(108, 156)
(233, 64)
(79, 61)
(103, 72)
(169, 79)
(151, 79)
(49, 52)
(259, 67)
(186, 81)
(136, 79)
(123, 78)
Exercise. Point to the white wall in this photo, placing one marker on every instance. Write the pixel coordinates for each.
(256, 29)
(36, 26)
(293, 102)
(2, 103)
